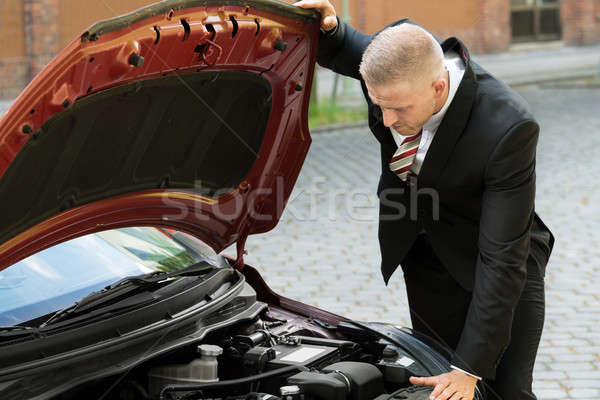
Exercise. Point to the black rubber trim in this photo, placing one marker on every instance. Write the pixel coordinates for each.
(163, 7)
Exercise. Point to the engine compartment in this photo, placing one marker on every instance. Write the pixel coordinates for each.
(277, 355)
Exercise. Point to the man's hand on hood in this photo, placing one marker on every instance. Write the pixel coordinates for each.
(328, 15)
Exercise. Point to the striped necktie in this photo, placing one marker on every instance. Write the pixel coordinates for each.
(403, 157)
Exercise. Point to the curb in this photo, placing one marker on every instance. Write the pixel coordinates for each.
(556, 77)
(337, 127)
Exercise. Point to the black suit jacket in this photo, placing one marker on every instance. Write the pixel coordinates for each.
(473, 198)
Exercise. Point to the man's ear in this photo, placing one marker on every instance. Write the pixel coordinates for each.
(439, 85)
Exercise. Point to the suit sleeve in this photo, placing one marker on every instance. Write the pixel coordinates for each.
(342, 50)
(504, 240)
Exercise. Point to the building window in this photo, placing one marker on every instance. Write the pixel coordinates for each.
(533, 20)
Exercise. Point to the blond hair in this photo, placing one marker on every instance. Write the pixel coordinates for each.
(406, 52)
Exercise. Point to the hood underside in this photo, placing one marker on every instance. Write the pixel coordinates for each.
(185, 114)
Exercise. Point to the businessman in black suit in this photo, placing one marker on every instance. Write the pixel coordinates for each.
(456, 193)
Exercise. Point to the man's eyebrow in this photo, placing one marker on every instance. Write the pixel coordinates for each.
(392, 108)
(376, 104)
(400, 108)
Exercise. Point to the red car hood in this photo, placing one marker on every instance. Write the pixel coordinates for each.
(188, 114)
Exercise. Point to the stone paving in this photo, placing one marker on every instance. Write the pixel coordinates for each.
(324, 250)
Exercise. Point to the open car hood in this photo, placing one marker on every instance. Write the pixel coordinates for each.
(188, 114)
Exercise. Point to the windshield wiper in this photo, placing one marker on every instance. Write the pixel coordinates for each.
(11, 332)
(15, 328)
(124, 289)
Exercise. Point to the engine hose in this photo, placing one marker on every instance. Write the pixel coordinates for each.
(231, 382)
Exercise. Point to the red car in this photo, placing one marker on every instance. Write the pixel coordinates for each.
(147, 146)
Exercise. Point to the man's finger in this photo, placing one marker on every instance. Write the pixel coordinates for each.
(438, 389)
(328, 16)
(424, 381)
(460, 396)
(447, 393)
(328, 24)
(330, 21)
(320, 5)
(309, 4)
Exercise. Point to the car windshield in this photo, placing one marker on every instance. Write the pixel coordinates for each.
(58, 276)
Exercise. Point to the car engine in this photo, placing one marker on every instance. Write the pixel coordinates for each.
(279, 355)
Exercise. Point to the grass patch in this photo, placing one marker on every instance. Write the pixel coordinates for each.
(325, 113)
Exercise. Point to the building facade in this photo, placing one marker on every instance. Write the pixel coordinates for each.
(486, 26)
(33, 31)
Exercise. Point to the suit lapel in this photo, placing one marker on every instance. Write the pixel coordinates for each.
(454, 121)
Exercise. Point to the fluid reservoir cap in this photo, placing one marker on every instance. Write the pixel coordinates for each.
(210, 350)
(289, 390)
(389, 353)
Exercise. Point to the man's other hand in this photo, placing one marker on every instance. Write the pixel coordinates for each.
(453, 385)
(328, 16)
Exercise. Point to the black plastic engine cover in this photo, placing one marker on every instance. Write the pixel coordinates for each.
(321, 386)
(366, 381)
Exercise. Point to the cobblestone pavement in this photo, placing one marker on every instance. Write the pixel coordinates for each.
(328, 256)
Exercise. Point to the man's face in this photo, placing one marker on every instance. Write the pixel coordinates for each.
(405, 106)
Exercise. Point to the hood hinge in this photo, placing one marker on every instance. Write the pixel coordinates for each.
(241, 251)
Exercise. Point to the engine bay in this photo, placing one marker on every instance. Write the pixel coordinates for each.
(278, 355)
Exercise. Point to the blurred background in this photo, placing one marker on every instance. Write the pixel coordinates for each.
(324, 251)
(33, 31)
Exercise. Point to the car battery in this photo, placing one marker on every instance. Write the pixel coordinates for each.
(308, 355)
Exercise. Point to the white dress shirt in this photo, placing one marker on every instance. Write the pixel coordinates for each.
(456, 69)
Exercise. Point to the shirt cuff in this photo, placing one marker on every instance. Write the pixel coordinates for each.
(462, 370)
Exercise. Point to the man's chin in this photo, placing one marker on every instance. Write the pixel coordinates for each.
(406, 131)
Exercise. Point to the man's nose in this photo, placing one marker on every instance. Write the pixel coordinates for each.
(389, 117)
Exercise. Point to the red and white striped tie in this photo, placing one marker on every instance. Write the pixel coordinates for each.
(405, 155)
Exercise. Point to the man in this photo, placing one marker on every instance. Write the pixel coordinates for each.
(456, 197)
